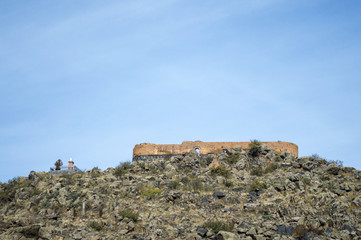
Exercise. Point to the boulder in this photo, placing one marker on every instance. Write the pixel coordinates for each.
(333, 169)
(283, 230)
(310, 165)
(241, 164)
(201, 231)
(223, 235)
(219, 195)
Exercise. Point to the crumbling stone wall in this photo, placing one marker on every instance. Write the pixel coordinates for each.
(150, 149)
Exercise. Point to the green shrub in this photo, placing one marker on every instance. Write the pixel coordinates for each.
(220, 171)
(122, 169)
(257, 172)
(329, 185)
(129, 213)
(228, 183)
(208, 160)
(257, 186)
(97, 226)
(154, 170)
(4, 197)
(43, 175)
(204, 162)
(306, 180)
(9, 189)
(338, 162)
(254, 148)
(96, 169)
(192, 183)
(232, 158)
(73, 196)
(150, 191)
(141, 165)
(195, 184)
(126, 165)
(277, 158)
(217, 226)
(271, 168)
(68, 179)
(187, 169)
(185, 180)
(95, 172)
(173, 184)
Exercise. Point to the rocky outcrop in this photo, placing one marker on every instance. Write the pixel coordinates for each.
(263, 195)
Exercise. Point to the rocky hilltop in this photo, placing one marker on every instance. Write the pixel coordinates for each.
(247, 194)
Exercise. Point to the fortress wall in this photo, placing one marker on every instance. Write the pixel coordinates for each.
(205, 147)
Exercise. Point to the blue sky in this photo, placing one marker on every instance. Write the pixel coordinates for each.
(90, 79)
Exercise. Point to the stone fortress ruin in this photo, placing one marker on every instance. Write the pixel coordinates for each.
(150, 151)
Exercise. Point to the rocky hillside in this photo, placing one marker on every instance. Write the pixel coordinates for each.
(255, 194)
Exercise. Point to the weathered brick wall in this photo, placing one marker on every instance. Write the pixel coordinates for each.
(205, 147)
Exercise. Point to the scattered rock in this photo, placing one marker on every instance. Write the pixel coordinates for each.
(219, 195)
(333, 169)
(223, 235)
(167, 198)
(202, 231)
(282, 229)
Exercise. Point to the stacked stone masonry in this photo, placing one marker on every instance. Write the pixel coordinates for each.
(153, 151)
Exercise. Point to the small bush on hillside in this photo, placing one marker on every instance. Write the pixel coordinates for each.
(185, 180)
(122, 169)
(73, 196)
(141, 165)
(338, 162)
(277, 158)
(228, 183)
(4, 197)
(306, 180)
(154, 170)
(9, 189)
(254, 148)
(96, 169)
(129, 213)
(203, 162)
(95, 172)
(217, 226)
(68, 179)
(271, 168)
(209, 159)
(232, 158)
(257, 172)
(192, 183)
(150, 191)
(315, 156)
(173, 184)
(257, 186)
(220, 171)
(195, 184)
(126, 165)
(97, 226)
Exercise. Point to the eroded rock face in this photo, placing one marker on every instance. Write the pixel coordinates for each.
(261, 196)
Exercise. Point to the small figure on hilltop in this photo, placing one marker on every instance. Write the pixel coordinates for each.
(58, 164)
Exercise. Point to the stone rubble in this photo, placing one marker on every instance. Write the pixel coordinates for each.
(268, 196)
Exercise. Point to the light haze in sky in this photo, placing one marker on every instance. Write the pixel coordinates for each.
(90, 79)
